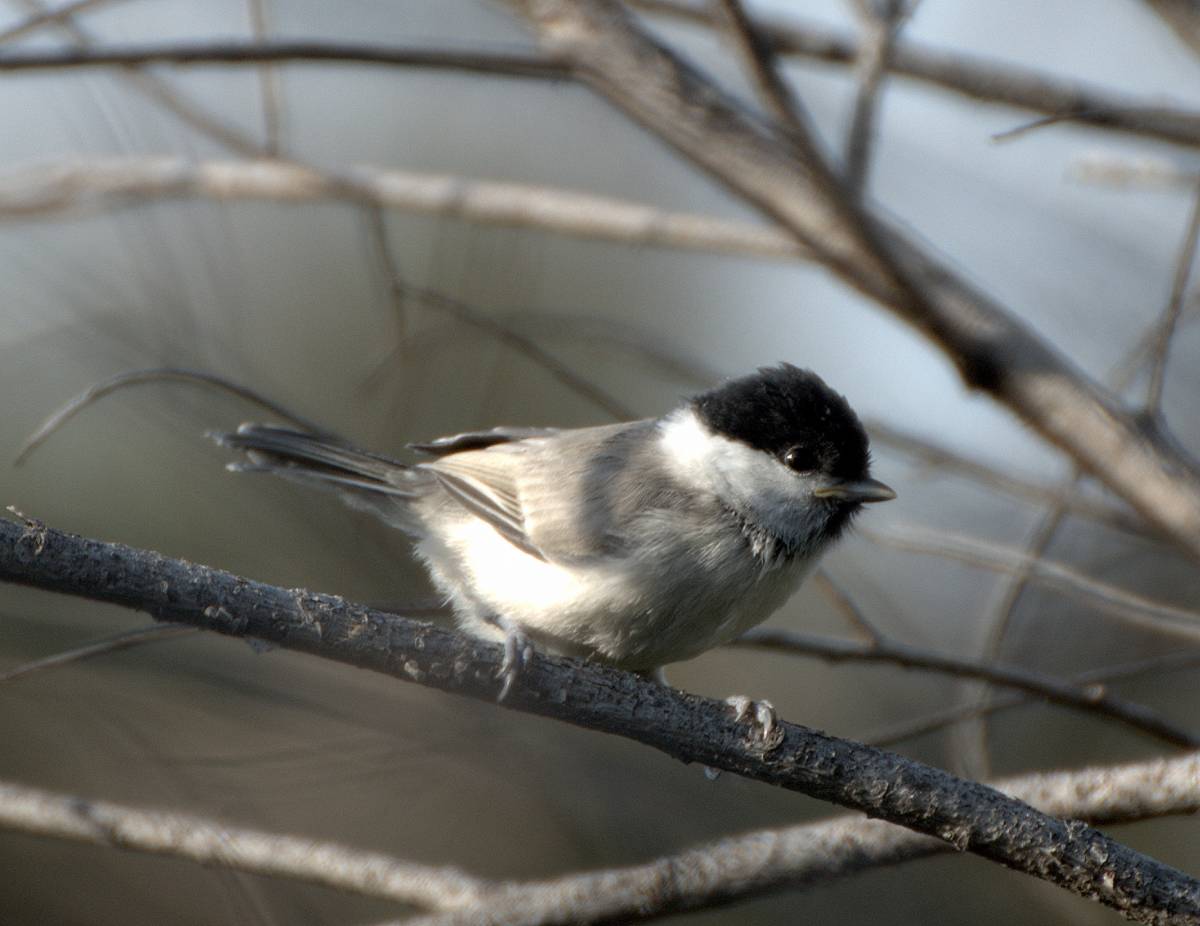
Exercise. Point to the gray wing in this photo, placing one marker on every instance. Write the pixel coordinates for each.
(478, 440)
(557, 495)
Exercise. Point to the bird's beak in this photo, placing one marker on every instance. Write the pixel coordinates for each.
(862, 491)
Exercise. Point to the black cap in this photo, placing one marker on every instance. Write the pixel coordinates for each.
(791, 414)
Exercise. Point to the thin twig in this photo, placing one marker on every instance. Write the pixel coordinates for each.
(1134, 609)
(125, 640)
(989, 81)
(268, 83)
(936, 456)
(759, 60)
(880, 22)
(1165, 330)
(97, 391)
(845, 604)
(75, 185)
(932, 722)
(1088, 698)
(968, 815)
(48, 16)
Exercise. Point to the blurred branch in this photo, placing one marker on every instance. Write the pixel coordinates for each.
(880, 22)
(732, 868)
(759, 60)
(1164, 331)
(1096, 678)
(970, 816)
(497, 63)
(1184, 19)
(1134, 609)
(937, 456)
(1089, 698)
(975, 78)
(46, 16)
(161, 374)
(994, 350)
(154, 88)
(71, 185)
(45, 813)
(117, 642)
(268, 82)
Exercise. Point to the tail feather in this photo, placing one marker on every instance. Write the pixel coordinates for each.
(295, 454)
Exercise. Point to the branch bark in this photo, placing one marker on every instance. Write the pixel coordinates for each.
(994, 350)
(971, 816)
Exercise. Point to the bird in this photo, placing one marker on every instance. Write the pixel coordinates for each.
(635, 544)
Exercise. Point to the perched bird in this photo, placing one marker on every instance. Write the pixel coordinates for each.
(635, 544)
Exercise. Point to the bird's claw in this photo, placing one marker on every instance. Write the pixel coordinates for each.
(761, 715)
(517, 652)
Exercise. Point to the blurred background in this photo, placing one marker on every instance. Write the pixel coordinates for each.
(391, 326)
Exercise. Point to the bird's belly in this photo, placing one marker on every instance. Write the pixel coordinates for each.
(637, 614)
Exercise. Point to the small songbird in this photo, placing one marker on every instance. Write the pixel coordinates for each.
(635, 544)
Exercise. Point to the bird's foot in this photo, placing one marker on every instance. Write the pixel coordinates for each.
(761, 715)
(518, 650)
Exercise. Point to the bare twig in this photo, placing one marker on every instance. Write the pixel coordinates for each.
(732, 868)
(1088, 698)
(1183, 18)
(47, 16)
(939, 457)
(1134, 609)
(970, 816)
(268, 82)
(32, 810)
(153, 88)
(815, 853)
(994, 350)
(945, 717)
(845, 604)
(759, 60)
(74, 185)
(1164, 331)
(880, 22)
(125, 640)
(497, 62)
(162, 374)
(975, 78)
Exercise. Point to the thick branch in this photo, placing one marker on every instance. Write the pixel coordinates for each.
(994, 350)
(971, 816)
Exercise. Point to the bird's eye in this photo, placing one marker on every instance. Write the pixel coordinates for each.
(800, 458)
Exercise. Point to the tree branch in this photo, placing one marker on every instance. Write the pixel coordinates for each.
(971, 816)
(994, 350)
(81, 184)
(975, 78)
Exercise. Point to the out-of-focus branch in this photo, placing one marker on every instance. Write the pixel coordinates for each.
(971, 816)
(152, 87)
(732, 868)
(1164, 331)
(1089, 698)
(975, 78)
(994, 351)
(73, 185)
(268, 83)
(498, 62)
(45, 813)
(41, 18)
(815, 853)
(880, 22)
(115, 643)
(759, 59)
(1184, 19)
(1134, 609)
(936, 456)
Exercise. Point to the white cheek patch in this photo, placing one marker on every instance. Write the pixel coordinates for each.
(739, 475)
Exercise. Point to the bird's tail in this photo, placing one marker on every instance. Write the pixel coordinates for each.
(366, 480)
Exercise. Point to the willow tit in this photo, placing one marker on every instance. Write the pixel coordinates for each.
(636, 544)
